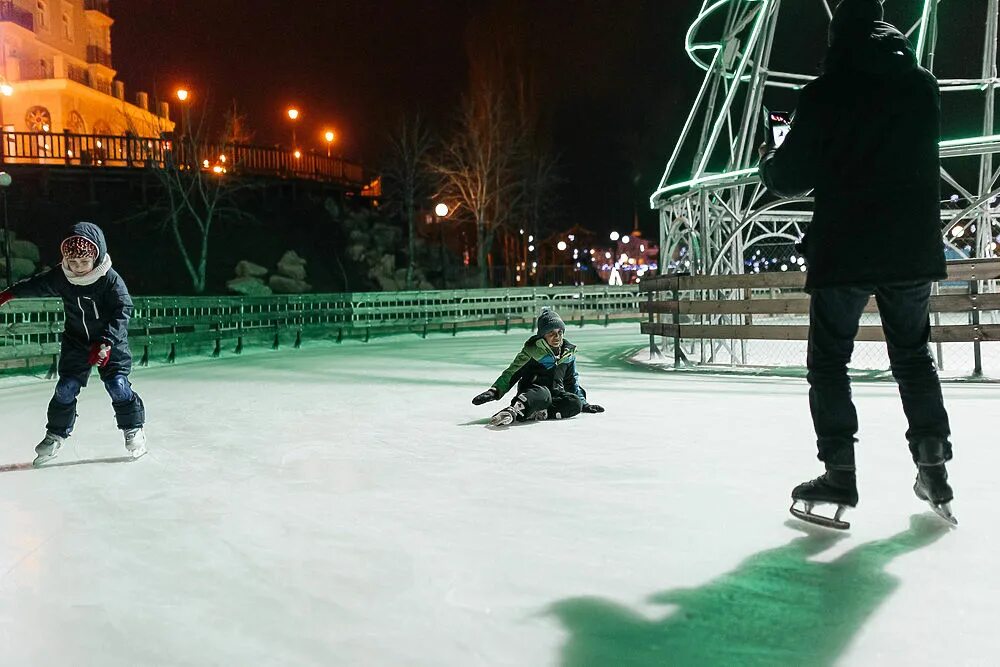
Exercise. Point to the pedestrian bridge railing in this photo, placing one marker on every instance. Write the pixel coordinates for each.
(739, 320)
(163, 327)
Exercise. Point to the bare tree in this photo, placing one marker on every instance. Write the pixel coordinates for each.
(200, 189)
(480, 167)
(237, 130)
(407, 180)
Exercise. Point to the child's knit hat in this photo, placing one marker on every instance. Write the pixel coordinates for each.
(548, 321)
(78, 247)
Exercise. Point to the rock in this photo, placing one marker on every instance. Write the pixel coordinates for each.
(292, 266)
(249, 286)
(21, 268)
(285, 285)
(384, 236)
(356, 252)
(247, 269)
(25, 250)
(387, 284)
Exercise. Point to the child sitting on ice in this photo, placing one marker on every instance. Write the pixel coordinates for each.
(548, 385)
(97, 306)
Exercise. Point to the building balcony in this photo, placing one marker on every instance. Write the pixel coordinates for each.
(9, 12)
(102, 6)
(98, 56)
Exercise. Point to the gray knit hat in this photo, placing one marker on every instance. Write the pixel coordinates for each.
(548, 321)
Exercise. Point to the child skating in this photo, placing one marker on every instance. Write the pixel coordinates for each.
(544, 371)
(97, 307)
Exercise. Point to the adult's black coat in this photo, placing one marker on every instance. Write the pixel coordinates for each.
(865, 140)
(98, 312)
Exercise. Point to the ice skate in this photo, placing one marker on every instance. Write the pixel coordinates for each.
(135, 442)
(508, 415)
(47, 449)
(539, 416)
(835, 487)
(931, 484)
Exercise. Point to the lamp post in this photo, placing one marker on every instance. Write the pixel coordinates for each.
(183, 94)
(330, 136)
(293, 115)
(6, 90)
(5, 182)
(441, 212)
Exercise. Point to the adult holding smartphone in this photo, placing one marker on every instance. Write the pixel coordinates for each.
(865, 140)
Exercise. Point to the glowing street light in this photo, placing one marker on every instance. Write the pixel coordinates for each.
(6, 89)
(330, 137)
(441, 210)
(293, 115)
(561, 245)
(183, 94)
(614, 236)
(297, 154)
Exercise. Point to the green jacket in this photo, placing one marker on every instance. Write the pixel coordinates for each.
(538, 364)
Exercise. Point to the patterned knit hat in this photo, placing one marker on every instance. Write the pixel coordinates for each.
(78, 247)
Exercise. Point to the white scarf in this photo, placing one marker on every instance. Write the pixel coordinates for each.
(96, 274)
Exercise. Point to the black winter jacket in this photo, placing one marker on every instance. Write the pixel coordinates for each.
(94, 313)
(865, 139)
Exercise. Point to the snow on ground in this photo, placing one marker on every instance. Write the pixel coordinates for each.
(344, 505)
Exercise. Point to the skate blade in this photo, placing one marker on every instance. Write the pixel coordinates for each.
(807, 515)
(40, 461)
(944, 511)
(138, 454)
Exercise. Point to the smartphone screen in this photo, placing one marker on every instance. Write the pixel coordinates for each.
(778, 123)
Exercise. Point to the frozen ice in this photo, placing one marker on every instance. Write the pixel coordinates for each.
(345, 505)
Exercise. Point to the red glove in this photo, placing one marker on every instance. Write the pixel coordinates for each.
(100, 354)
(6, 296)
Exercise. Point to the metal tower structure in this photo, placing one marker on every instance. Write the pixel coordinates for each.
(712, 213)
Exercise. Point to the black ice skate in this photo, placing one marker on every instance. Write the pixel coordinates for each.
(932, 485)
(835, 487)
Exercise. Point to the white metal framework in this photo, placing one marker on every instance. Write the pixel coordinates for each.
(711, 215)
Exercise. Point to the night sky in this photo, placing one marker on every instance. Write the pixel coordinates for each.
(617, 81)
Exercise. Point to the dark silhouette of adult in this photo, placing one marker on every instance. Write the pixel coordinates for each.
(865, 141)
(776, 608)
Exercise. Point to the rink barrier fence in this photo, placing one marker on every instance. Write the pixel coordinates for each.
(719, 310)
(163, 327)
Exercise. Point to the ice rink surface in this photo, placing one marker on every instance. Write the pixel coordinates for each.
(344, 505)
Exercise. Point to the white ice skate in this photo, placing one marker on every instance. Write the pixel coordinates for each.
(507, 416)
(135, 442)
(47, 449)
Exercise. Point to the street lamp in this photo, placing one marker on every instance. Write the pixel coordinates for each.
(5, 182)
(6, 90)
(441, 211)
(293, 115)
(183, 95)
(329, 136)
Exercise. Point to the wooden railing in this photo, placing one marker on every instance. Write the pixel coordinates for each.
(162, 327)
(722, 307)
(96, 151)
